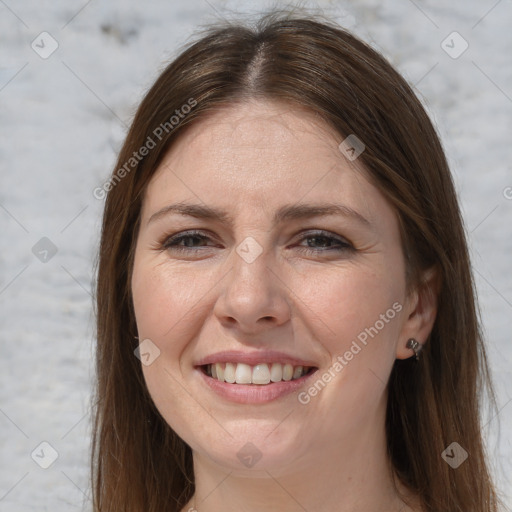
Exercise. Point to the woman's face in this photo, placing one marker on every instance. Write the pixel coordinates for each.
(288, 257)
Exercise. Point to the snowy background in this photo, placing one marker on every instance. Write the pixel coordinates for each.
(62, 119)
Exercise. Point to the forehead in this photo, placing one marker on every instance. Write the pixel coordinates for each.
(264, 125)
(248, 154)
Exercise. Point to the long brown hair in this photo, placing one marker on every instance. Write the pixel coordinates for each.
(138, 462)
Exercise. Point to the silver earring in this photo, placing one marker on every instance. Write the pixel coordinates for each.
(414, 345)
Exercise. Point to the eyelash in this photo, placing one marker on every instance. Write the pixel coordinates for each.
(170, 243)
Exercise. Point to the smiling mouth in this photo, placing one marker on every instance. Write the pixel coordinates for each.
(261, 374)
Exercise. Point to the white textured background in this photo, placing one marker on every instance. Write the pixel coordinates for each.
(62, 120)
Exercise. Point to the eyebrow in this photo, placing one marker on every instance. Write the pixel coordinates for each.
(287, 212)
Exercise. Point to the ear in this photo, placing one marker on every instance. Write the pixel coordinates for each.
(421, 310)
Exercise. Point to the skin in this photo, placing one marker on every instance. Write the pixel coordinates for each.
(329, 454)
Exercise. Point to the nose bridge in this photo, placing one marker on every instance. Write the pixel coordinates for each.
(252, 264)
(249, 250)
(252, 290)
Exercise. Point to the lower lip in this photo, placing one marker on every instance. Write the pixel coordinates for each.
(254, 393)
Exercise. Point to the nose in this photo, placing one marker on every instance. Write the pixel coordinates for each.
(254, 296)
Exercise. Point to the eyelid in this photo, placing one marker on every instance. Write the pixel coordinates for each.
(325, 233)
(169, 237)
(344, 244)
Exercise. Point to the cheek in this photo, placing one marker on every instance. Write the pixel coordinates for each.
(165, 306)
(164, 300)
(360, 316)
(347, 303)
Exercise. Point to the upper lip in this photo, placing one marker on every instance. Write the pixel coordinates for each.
(253, 358)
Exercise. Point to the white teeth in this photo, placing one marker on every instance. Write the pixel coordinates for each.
(276, 372)
(261, 374)
(229, 373)
(241, 373)
(220, 371)
(287, 372)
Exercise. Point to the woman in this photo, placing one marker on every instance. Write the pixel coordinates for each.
(286, 313)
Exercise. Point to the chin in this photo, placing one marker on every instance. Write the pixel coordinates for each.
(251, 449)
